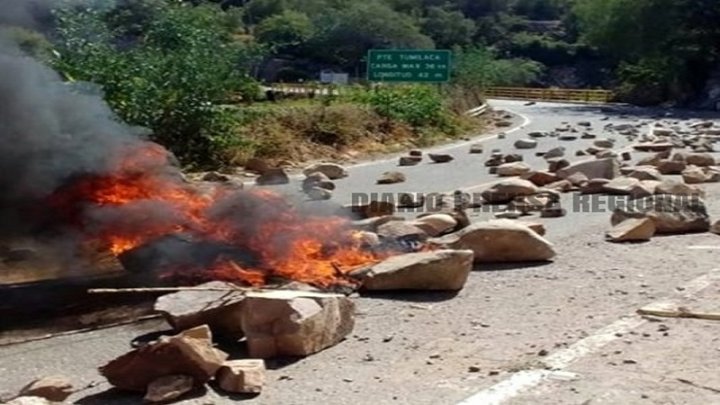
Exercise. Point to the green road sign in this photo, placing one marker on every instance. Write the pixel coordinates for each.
(408, 65)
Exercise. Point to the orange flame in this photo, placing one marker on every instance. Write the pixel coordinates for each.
(315, 250)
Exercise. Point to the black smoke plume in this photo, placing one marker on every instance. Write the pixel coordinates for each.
(49, 132)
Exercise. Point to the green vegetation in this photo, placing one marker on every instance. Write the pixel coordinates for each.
(662, 49)
(190, 71)
(163, 67)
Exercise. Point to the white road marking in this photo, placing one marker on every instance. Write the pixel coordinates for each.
(525, 380)
(704, 247)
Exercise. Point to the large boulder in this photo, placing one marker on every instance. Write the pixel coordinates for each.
(396, 230)
(295, 323)
(540, 178)
(513, 169)
(593, 169)
(675, 187)
(697, 159)
(621, 185)
(435, 270)
(653, 146)
(604, 143)
(190, 353)
(332, 170)
(594, 186)
(505, 191)
(555, 153)
(669, 213)
(632, 230)
(391, 178)
(645, 188)
(246, 376)
(436, 224)
(646, 173)
(694, 175)
(409, 160)
(557, 164)
(477, 148)
(526, 144)
(440, 157)
(500, 241)
(219, 307)
(667, 166)
(577, 179)
(273, 177)
(318, 180)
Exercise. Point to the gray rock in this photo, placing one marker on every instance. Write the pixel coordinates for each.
(477, 148)
(409, 160)
(526, 144)
(593, 169)
(440, 157)
(332, 170)
(391, 178)
(670, 213)
(555, 153)
(500, 241)
(505, 191)
(632, 230)
(435, 270)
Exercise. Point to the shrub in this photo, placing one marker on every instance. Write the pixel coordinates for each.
(171, 78)
(543, 49)
(417, 105)
(479, 68)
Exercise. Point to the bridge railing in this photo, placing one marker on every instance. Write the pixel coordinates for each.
(550, 94)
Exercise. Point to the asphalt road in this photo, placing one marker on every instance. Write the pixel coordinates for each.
(511, 323)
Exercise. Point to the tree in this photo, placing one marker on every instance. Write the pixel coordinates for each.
(258, 10)
(628, 29)
(480, 8)
(541, 9)
(448, 28)
(290, 28)
(171, 80)
(479, 68)
(663, 48)
(344, 36)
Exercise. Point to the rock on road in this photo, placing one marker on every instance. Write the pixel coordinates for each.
(439, 348)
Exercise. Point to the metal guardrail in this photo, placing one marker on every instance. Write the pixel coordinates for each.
(478, 111)
(551, 94)
(309, 88)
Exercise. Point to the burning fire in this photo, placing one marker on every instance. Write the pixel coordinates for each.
(142, 198)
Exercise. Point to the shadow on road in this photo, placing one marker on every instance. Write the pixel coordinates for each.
(411, 296)
(509, 266)
(115, 396)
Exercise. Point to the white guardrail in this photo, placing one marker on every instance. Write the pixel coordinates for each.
(475, 112)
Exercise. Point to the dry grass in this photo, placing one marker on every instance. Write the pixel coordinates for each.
(303, 130)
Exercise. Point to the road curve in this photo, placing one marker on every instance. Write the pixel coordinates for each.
(485, 343)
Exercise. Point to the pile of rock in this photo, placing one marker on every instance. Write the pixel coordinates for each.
(173, 366)
(318, 183)
(273, 323)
